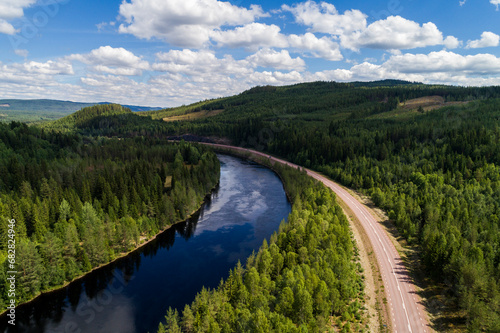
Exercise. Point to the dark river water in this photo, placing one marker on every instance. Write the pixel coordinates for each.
(133, 294)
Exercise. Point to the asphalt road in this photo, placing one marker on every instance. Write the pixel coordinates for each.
(406, 311)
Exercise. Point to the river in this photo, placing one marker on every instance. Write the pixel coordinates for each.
(133, 293)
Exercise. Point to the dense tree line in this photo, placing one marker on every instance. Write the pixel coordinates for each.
(438, 176)
(246, 114)
(81, 202)
(435, 172)
(305, 279)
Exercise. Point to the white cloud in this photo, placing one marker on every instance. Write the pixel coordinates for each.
(451, 42)
(34, 79)
(274, 78)
(396, 32)
(186, 23)
(487, 39)
(6, 28)
(351, 28)
(21, 53)
(445, 62)
(322, 47)
(118, 61)
(279, 60)
(254, 36)
(251, 36)
(50, 67)
(199, 63)
(184, 76)
(495, 2)
(11, 9)
(330, 75)
(325, 18)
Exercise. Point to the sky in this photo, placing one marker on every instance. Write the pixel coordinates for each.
(167, 53)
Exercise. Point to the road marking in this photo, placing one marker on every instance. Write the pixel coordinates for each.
(346, 196)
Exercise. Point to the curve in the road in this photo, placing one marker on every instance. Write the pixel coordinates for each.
(406, 309)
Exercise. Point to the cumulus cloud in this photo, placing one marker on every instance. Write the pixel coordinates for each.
(251, 36)
(445, 62)
(322, 47)
(199, 63)
(185, 23)
(488, 39)
(396, 32)
(205, 63)
(254, 36)
(325, 18)
(452, 42)
(442, 67)
(351, 28)
(495, 2)
(33, 79)
(279, 60)
(11, 9)
(118, 61)
(50, 67)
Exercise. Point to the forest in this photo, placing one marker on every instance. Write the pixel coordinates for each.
(80, 202)
(305, 279)
(438, 177)
(434, 170)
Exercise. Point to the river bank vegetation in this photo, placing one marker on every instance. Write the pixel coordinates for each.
(80, 202)
(428, 155)
(435, 169)
(305, 279)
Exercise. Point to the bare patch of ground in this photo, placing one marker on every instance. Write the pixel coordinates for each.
(427, 103)
(194, 115)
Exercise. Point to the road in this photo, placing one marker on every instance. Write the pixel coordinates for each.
(405, 306)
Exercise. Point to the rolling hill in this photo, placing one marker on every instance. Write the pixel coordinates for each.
(36, 110)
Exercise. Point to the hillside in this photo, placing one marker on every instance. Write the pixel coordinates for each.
(427, 155)
(435, 172)
(90, 117)
(37, 110)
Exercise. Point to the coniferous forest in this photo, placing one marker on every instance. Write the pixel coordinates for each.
(80, 202)
(435, 170)
(302, 279)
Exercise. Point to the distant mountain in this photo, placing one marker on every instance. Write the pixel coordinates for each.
(39, 110)
(50, 105)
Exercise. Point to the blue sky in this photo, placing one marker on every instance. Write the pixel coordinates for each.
(173, 52)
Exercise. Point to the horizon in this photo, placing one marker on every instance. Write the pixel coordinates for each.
(167, 54)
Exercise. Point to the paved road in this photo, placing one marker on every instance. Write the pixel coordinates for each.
(405, 306)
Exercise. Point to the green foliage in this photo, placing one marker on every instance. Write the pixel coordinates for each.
(40, 110)
(80, 202)
(436, 173)
(438, 177)
(295, 283)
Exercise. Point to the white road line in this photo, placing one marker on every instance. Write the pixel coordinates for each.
(345, 196)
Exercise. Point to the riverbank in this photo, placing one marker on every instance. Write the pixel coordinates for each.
(145, 242)
(377, 310)
(399, 289)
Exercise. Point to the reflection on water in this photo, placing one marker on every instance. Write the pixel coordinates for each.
(133, 293)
